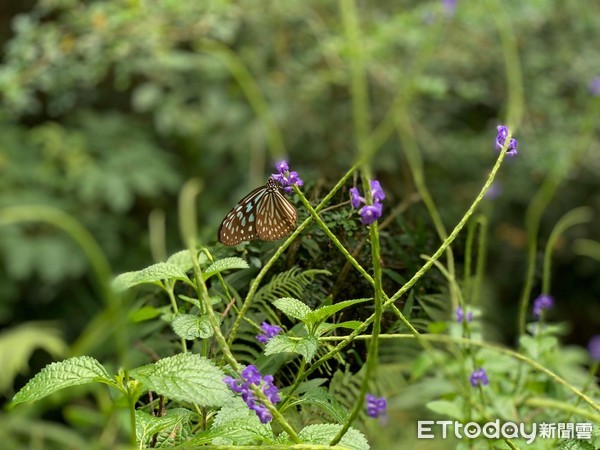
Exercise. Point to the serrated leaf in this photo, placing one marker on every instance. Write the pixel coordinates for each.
(60, 375)
(224, 264)
(236, 424)
(188, 378)
(292, 307)
(322, 434)
(306, 346)
(447, 408)
(150, 275)
(181, 259)
(321, 314)
(190, 326)
(147, 426)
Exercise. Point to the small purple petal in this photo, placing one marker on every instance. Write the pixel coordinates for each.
(594, 347)
(355, 199)
(370, 214)
(282, 167)
(479, 377)
(542, 303)
(262, 338)
(594, 87)
(377, 191)
(251, 374)
(449, 7)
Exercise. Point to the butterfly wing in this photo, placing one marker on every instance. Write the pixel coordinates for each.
(240, 223)
(275, 216)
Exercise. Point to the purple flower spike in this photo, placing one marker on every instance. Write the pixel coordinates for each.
(286, 178)
(542, 303)
(479, 378)
(449, 7)
(595, 87)
(501, 140)
(251, 375)
(460, 315)
(370, 214)
(268, 331)
(376, 407)
(594, 347)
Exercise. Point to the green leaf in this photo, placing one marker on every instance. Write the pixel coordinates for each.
(448, 408)
(322, 434)
(236, 424)
(292, 307)
(306, 346)
(181, 259)
(144, 313)
(323, 313)
(60, 375)
(190, 327)
(150, 275)
(146, 426)
(224, 264)
(18, 343)
(187, 378)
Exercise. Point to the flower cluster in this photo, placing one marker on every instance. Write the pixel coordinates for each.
(542, 303)
(594, 347)
(268, 331)
(595, 87)
(368, 213)
(479, 378)
(251, 376)
(286, 178)
(501, 140)
(376, 407)
(460, 315)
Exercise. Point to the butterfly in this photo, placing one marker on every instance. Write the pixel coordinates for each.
(262, 214)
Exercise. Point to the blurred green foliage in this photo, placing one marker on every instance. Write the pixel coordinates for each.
(106, 107)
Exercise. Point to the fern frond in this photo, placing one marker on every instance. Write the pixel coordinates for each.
(290, 283)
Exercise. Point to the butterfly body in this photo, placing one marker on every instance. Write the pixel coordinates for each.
(262, 214)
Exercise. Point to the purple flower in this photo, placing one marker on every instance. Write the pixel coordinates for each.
(501, 140)
(355, 198)
(594, 347)
(478, 378)
(542, 303)
(449, 7)
(251, 374)
(594, 87)
(269, 331)
(368, 213)
(282, 167)
(286, 178)
(376, 407)
(376, 191)
(263, 414)
(460, 315)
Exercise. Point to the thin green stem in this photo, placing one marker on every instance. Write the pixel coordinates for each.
(576, 216)
(372, 356)
(415, 162)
